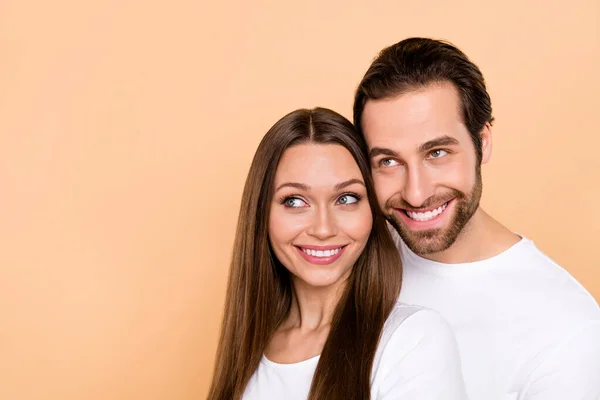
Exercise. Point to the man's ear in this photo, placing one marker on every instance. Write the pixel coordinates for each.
(486, 143)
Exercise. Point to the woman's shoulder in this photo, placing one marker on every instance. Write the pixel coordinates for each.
(416, 318)
(417, 348)
(409, 326)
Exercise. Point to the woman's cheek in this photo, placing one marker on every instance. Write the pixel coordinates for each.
(357, 224)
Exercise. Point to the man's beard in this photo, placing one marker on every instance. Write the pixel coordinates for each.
(438, 239)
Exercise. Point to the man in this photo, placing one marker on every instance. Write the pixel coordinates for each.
(526, 329)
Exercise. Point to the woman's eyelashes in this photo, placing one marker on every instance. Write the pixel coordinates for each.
(295, 201)
(348, 198)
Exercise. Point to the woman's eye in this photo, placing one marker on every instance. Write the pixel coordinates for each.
(437, 153)
(388, 162)
(294, 202)
(347, 199)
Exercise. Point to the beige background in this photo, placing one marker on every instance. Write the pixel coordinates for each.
(127, 128)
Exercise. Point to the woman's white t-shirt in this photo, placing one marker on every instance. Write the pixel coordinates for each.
(417, 359)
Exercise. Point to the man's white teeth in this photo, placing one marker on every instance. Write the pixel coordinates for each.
(322, 253)
(426, 216)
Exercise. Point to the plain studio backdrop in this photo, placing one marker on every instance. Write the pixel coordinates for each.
(127, 129)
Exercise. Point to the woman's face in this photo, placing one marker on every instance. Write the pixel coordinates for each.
(320, 215)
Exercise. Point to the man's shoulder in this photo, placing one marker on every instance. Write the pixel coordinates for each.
(544, 282)
(532, 264)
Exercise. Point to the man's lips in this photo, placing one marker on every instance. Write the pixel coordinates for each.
(424, 219)
(427, 214)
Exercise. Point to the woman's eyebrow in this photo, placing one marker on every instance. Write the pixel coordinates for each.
(349, 182)
(306, 188)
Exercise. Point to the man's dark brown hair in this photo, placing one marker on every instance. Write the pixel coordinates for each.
(416, 63)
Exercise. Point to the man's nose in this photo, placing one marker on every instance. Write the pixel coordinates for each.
(418, 187)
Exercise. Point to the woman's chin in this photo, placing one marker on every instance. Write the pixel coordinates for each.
(322, 279)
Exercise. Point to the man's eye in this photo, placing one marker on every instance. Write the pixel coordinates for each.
(388, 162)
(294, 202)
(437, 153)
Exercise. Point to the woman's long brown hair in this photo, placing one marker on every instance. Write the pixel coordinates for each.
(259, 290)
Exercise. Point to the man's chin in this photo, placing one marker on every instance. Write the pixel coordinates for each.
(426, 245)
(423, 242)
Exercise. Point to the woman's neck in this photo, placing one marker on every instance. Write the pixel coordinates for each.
(312, 307)
(305, 329)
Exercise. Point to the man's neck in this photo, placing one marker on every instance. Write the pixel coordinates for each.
(482, 237)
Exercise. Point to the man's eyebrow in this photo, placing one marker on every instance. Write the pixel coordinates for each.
(437, 142)
(296, 185)
(349, 182)
(377, 151)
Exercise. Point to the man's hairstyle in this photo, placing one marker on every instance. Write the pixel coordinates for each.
(416, 63)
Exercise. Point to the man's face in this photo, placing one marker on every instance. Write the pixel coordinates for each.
(425, 167)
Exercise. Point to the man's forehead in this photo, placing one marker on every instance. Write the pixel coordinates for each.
(414, 139)
(390, 123)
(433, 104)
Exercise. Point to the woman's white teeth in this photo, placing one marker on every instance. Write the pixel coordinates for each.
(426, 216)
(322, 253)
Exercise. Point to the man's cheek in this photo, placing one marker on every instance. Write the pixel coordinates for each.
(385, 189)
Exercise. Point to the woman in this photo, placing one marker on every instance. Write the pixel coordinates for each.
(311, 307)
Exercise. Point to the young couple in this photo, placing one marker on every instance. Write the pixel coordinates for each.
(315, 308)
